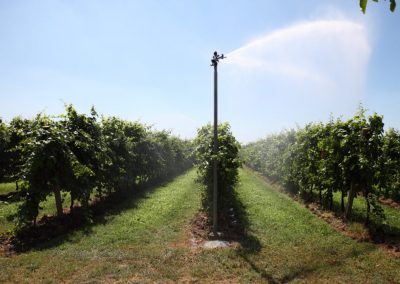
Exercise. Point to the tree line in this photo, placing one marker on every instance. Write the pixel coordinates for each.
(353, 158)
(83, 155)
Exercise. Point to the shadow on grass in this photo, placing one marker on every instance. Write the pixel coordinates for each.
(250, 244)
(52, 231)
(235, 226)
(10, 197)
(379, 232)
(251, 253)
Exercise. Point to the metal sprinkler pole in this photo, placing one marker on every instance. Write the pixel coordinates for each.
(214, 62)
(215, 170)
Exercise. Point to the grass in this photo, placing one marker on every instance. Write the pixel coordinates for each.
(6, 188)
(7, 209)
(296, 245)
(145, 240)
(130, 242)
(391, 225)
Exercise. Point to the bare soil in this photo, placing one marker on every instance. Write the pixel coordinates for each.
(200, 231)
(390, 202)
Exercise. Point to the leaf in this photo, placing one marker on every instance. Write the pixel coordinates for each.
(363, 5)
(392, 5)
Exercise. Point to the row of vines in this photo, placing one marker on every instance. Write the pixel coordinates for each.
(353, 158)
(228, 164)
(84, 155)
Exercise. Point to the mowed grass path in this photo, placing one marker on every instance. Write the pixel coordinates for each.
(132, 243)
(297, 245)
(146, 240)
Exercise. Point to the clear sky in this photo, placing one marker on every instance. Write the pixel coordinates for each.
(289, 62)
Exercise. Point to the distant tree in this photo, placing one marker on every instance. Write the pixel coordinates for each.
(363, 5)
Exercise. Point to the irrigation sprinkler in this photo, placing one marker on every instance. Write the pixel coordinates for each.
(214, 62)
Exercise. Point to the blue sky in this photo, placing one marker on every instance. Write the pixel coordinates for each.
(288, 62)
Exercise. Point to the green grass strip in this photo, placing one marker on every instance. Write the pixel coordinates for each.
(295, 244)
(145, 240)
(132, 239)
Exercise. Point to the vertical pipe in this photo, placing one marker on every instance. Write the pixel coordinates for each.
(215, 169)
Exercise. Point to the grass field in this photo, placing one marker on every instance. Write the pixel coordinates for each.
(145, 240)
